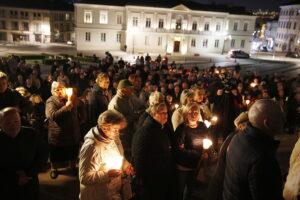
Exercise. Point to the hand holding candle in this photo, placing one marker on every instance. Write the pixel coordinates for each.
(69, 92)
(214, 120)
(207, 123)
(115, 162)
(176, 105)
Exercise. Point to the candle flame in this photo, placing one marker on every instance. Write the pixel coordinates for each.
(207, 123)
(69, 91)
(115, 162)
(176, 105)
(214, 118)
(207, 143)
(247, 101)
(253, 85)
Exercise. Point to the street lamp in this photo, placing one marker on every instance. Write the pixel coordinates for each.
(227, 37)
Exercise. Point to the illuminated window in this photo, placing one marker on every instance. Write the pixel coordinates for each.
(88, 17)
(178, 24)
(161, 23)
(135, 21)
(67, 16)
(103, 17)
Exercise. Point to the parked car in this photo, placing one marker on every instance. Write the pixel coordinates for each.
(292, 55)
(238, 54)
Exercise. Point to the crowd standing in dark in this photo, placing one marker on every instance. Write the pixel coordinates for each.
(169, 111)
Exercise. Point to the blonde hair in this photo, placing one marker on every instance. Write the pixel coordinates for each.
(3, 75)
(156, 107)
(186, 95)
(188, 107)
(100, 77)
(155, 98)
(112, 117)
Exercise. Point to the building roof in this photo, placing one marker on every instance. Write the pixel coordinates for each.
(171, 4)
(38, 4)
(292, 2)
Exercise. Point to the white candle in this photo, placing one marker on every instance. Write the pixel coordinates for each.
(207, 123)
(247, 101)
(214, 118)
(207, 143)
(253, 85)
(69, 91)
(115, 162)
(176, 106)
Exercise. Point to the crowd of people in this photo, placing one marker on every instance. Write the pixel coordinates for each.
(139, 130)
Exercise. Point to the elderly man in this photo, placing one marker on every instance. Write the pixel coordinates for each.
(252, 171)
(123, 103)
(23, 154)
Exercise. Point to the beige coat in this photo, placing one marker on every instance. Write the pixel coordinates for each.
(95, 184)
(292, 185)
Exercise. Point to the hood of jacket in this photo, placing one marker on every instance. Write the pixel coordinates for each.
(96, 133)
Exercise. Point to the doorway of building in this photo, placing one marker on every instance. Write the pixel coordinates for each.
(176, 46)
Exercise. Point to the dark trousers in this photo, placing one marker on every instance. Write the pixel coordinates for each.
(185, 183)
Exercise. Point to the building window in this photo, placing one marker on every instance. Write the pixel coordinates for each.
(103, 17)
(37, 27)
(206, 27)
(25, 26)
(245, 27)
(2, 13)
(88, 17)
(2, 25)
(119, 37)
(235, 26)
(146, 40)
(135, 21)
(37, 16)
(87, 36)
(295, 25)
(67, 16)
(14, 14)
(14, 25)
(242, 43)
(161, 23)
(178, 24)
(3, 36)
(217, 43)
(103, 37)
(205, 43)
(24, 15)
(232, 43)
(194, 26)
(159, 42)
(148, 22)
(119, 19)
(193, 42)
(218, 27)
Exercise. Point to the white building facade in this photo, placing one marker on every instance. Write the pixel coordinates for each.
(177, 30)
(288, 31)
(24, 25)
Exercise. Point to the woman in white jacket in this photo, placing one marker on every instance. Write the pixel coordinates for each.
(102, 160)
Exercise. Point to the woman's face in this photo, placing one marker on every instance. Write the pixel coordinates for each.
(161, 116)
(104, 83)
(111, 130)
(193, 116)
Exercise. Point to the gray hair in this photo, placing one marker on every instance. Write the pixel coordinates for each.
(185, 96)
(155, 98)
(112, 117)
(156, 107)
(54, 87)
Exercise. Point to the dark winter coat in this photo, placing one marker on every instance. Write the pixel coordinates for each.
(98, 103)
(252, 171)
(26, 152)
(12, 98)
(64, 123)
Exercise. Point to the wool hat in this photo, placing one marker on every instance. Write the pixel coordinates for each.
(124, 84)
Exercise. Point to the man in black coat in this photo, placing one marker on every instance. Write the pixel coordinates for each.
(23, 154)
(99, 99)
(252, 171)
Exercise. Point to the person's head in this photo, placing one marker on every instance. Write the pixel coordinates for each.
(199, 94)
(267, 115)
(155, 98)
(111, 122)
(3, 82)
(10, 121)
(159, 112)
(187, 96)
(58, 89)
(23, 92)
(242, 121)
(35, 99)
(191, 113)
(125, 88)
(102, 80)
(136, 81)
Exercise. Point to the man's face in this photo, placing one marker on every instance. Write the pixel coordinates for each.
(3, 85)
(161, 116)
(11, 124)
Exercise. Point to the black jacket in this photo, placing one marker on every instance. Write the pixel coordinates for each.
(26, 152)
(12, 98)
(151, 150)
(252, 171)
(98, 103)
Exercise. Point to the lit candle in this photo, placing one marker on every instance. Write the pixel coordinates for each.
(115, 162)
(207, 123)
(207, 143)
(176, 105)
(69, 91)
(217, 72)
(214, 118)
(253, 85)
(247, 101)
